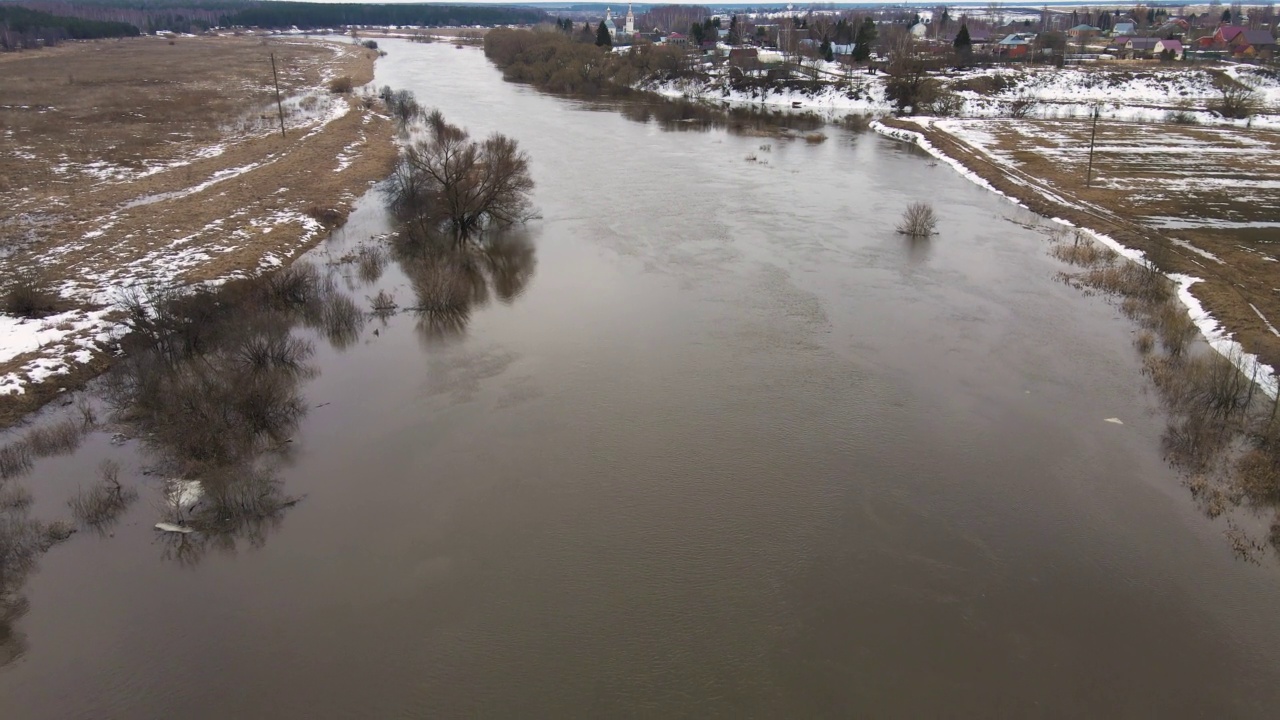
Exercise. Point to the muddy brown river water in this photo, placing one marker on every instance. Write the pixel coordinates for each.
(718, 443)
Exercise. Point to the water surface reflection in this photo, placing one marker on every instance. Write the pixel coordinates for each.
(451, 280)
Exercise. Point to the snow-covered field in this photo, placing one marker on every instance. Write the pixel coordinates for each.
(51, 346)
(1142, 94)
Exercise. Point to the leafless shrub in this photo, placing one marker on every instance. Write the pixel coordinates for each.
(100, 505)
(294, 287)
(1236, 100)
(342, 321)
(1175, 327)
(1128, 280)
(384, 303)
(401, 105)
(240, 500)
(918, 220)
(88, 414)
(341, 85)
(370, 263)
(275, 349)
(1181, 116)
(1258, 474)
(330, 217)
(58, 438)
(1207, 385)
(31, 296)
(1083, 251)
(211, 378)
(14, 497)
(946, 104)
(15, 460)
(1243, 545)
(1022, 107)
(1145, 342)
(445, 295)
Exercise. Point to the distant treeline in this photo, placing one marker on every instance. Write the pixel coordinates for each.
(23, 28)
(324, 15)
(198, 15)
(570, 62)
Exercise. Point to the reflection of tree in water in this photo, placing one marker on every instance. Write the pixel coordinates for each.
(1223, 431)
(458, 203)
(23, 538)
(677, 114)
(210, 381)
(1224, 434)
(451, 279)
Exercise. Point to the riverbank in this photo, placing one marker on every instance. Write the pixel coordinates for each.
(1118, 92)
(1224, 268)
(153, 162)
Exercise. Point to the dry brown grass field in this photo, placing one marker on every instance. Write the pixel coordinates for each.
(150, 161)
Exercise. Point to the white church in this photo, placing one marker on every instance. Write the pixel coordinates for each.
(628, 27)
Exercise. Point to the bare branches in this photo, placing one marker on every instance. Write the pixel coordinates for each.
(449, 181)
(918, 221)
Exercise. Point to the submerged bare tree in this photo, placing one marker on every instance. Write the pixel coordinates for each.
(211, 382)
(918, 220)
(447, 181)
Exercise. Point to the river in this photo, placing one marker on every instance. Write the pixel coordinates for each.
(721, 443)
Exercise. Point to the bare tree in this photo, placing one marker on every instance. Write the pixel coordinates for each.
(918, 220)
(1238, 101)
(449, 180)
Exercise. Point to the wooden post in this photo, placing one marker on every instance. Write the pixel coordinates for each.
(1088, 180)
(276, 79)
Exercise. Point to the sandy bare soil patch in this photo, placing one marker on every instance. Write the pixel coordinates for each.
(144, 162)
(1200, 201)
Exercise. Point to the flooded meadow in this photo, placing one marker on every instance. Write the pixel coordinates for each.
(706, 436)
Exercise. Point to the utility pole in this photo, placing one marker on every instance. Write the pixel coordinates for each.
(279, 106)
(1093, 136)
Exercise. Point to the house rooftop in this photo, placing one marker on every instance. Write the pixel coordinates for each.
(1258, 37)
(1229, 32)
(1018, 39)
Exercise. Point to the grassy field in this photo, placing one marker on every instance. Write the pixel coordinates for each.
(150, 161)
(1204, 201)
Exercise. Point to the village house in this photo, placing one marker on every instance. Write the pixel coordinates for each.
(1117, 46)
(1174, 47)
(745, 58)
(978, 37)
(1140, 48)
(1124, 28)
(1174, 29)
(1254, 44)
(1015, 46)
(1225, 34)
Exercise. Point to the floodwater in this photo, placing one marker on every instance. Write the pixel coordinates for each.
(713, 441)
